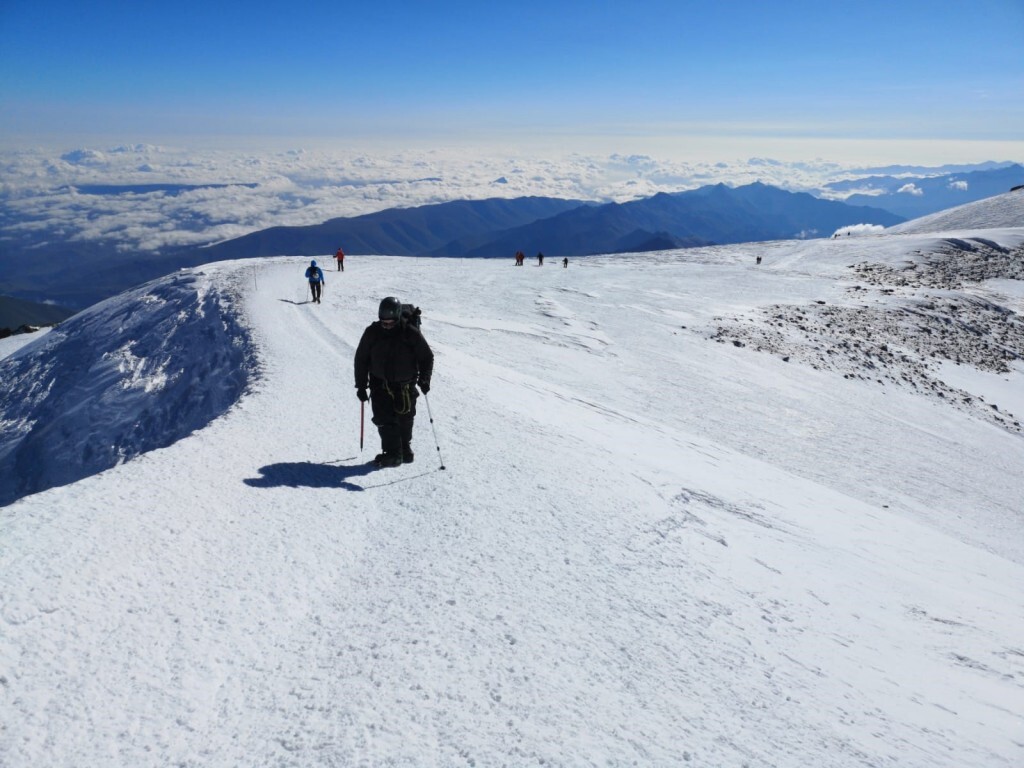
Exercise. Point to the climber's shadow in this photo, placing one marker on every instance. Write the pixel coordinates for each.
(308, 474)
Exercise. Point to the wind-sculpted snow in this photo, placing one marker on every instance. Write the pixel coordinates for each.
(134, 373)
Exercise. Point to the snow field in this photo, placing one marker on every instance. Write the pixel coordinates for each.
(646, 547)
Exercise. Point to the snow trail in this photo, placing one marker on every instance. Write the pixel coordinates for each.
(647, 547)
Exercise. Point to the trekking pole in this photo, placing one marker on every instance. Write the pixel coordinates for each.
(309, 287)
(434, 429)
(362, 422)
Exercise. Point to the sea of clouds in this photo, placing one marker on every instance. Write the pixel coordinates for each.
(226, 193)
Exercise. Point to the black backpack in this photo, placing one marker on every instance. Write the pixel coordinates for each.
(411, 315)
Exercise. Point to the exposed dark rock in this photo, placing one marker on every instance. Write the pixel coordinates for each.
(906, 340)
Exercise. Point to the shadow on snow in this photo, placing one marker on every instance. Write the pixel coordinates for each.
(308, 474)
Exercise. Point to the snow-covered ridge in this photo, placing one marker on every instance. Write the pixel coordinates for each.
(133, 373)
(1001, 211)
(647, 548)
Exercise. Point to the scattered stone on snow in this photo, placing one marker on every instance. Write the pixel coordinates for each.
(904, 342)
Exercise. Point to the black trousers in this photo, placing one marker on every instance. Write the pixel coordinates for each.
(394, 427)
(316, 290)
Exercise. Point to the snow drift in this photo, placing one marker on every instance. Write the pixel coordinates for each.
(131, 374)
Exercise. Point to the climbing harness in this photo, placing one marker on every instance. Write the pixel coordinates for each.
(403, 403)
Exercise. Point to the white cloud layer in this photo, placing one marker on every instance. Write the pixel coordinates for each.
(226, 193)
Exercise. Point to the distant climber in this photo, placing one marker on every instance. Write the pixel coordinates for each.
(540, 259)
(565, 262)
(340, 258)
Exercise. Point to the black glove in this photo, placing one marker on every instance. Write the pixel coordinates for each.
(361, 394)
(424, 386)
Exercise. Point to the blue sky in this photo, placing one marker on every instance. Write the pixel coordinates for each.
(874, 70)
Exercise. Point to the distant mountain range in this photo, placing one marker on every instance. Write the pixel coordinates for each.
(914, 196)
(933, 170)
(713, 215)
(426, 229)
(76, 273)
(498, 228)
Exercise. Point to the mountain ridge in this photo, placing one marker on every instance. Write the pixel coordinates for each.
(916, 196)
(714, 214)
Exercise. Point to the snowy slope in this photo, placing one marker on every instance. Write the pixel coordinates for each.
(1006, 210)
(123, 377)
(657, 540)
